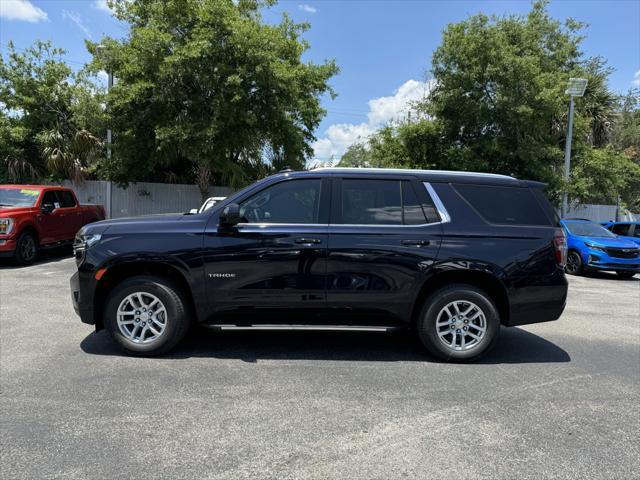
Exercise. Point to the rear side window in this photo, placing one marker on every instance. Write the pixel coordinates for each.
(66, 199)
(504, 205)
(371, 202)
(412, 212)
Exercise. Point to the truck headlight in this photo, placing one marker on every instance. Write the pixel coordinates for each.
(6, 225)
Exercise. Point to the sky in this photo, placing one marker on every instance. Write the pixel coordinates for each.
(383, 47)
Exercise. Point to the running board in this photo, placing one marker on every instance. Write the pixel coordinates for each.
(325, 328)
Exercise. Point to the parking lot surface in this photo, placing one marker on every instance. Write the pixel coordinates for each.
(554, 400)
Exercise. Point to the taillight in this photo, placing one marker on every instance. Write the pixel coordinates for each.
(560, 244)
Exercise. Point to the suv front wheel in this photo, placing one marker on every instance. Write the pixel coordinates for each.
(146, 315)
(458, 322)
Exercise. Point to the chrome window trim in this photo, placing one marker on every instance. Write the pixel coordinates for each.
(442, 211)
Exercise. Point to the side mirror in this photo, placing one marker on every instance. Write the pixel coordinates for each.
(230, 216)
(47, 208)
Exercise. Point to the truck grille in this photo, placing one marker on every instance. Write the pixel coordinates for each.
(623, 252)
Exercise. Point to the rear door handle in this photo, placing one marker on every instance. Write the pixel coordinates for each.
(416, 243)
(308, 241)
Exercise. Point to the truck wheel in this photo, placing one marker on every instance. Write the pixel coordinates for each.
(574, 263)
(459, 322)
(146, 315)
(26, 249)
(625, 275)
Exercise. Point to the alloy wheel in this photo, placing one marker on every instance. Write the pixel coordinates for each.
(461, 325)
(28, 248)
(142, 317)
(573, 262)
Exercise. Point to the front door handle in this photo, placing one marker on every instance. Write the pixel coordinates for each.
(416, 243)
(308, 241)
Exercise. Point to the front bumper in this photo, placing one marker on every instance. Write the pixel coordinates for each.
(7, 247)
(599, 260)
(81, 304)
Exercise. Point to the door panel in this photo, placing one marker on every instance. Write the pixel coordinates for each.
(375, 270)
(50, 223)
(271, 269)
(373, 273)
(267, 274)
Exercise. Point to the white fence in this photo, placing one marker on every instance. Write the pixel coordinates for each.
(142, 198)
(600, 213)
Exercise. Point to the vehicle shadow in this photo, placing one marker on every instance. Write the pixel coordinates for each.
(44, 257)
(515, 346)
(609, 276)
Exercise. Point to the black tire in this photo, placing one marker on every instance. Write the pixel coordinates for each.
(625, 275)
(26, 249)
(177, 314)
(427, 329)
(574, 263)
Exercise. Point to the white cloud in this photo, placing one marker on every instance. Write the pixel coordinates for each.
(340, 136)
(22, 10)
(102, 5)
(77, 20)
(636, 79)
(307, 8)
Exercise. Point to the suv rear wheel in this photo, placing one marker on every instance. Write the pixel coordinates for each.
(146, 315)
(458, 322)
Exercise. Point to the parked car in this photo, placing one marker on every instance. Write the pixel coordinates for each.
(208, 203)
(593, 247)
(626, 230)
(451, 255)
(34, 217)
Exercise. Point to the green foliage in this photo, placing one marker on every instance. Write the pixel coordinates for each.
(601, 174)
(41, 122)
(499, 106)
(206, 91)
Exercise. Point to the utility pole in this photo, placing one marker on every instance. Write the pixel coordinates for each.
(575, 88)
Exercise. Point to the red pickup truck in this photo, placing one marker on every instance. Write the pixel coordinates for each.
(40, 216)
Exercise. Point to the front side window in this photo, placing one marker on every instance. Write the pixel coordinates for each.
(636, 232)
(291, 201)
(50, 198)
(621, 229)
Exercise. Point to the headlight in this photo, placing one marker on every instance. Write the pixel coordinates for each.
(594, 247)
(82, 242)
(6, 225)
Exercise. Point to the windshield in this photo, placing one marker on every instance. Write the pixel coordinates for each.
(18, 197)
(588, 229)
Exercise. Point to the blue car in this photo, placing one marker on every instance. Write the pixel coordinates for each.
(626, 230)
(593, 247)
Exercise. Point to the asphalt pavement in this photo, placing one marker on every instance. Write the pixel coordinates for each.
(553, 400)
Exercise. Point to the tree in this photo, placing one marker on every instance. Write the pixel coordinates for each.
(206, 91)
(499, 93)
(40, 135)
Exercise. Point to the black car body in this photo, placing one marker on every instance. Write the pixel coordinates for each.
(337, 248)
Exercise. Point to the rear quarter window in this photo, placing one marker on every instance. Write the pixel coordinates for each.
(505, 205)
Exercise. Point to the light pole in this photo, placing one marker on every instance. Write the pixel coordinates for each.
(575, 88)
(100, 49)
(109, 86)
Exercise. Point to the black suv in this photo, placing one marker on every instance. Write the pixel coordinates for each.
(452, 255)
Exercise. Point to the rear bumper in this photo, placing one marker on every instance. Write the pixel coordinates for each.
(544, 302)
